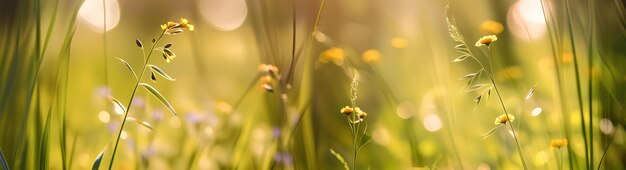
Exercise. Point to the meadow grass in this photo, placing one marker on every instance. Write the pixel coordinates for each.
(315, 56)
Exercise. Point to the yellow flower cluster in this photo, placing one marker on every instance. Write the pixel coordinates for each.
(359, 113)
(502, 119)
(486, 40)
(174, 28)
(558, 143)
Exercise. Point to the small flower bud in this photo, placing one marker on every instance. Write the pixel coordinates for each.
(138, 42)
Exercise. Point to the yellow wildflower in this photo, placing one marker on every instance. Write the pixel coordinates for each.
(168, 25)
(185, 24)
(486, 40)
(268, 69)
(558, 143)
(347, 110)
(174, 28)
(399, 42)
(502, 119)
(362, 115)
(491, 27)
(567, 58)
(371, 55)
(334, 54)
(266, 79)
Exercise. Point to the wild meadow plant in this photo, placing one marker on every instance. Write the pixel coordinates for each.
(486, 89)
(558, 144)
(169, 28)
(358, 127)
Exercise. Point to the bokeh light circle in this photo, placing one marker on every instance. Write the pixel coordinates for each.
(91, 13)
(224, 15)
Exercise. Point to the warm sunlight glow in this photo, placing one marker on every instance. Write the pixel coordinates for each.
(118, 110)
(92, 14)
(124, 135)
(104, 116)
(224, 15)
(540, 158)
(381, 136)
(432, 123)
(526, 21)
(537, 111)
(405, 110)
(208, 131)
(606, 126)
(174, 122)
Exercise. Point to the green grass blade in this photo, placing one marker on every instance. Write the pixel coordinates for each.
(3, 160)
(158, 95)
(72, 151)
(161, 72)
(118, 104)
(128, 66)
(142, 123)
(590, 79)
(578, 86)
(96, 163)
(490, 132)
(43, 148)
(50, 28)
(340, 158)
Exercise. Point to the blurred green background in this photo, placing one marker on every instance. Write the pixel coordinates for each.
(59, 68)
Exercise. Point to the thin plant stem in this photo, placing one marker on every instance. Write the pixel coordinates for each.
(578, 86)
(590, 79)
(354, 121)
(293, 43)
(560, 157)
(556, 50)
(104, 44)
(606, 149)
(519, 148)
(355, 147)
(132, 96)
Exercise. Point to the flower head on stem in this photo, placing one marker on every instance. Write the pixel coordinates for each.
(486, 40)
